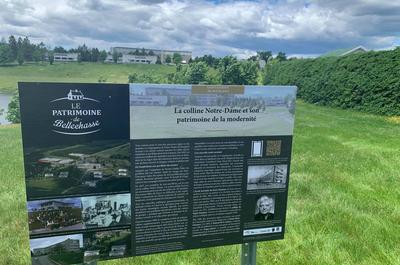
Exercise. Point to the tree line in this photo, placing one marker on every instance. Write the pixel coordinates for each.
(208, 69)
(21, 50)
(367, 82)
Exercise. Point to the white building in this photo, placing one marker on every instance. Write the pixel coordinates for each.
(163, 54)
(67, 245)
(128, 58)
(117, 251)
(63, 174)
(65, 57)
(54, 205)
(75, 95)
(98, 174)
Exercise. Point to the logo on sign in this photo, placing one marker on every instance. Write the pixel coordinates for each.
(76, 114)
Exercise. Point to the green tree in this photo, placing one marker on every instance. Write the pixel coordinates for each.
(51, 58)
(229, 69)
(116, 56)
(196, 73)
(168, 59)
(95, 54)
(264, 55)
(27, 50)
(177, 58)
(20, 58)
(43, 50)
(248, 73)
(281, 57)
(13, 48)
(158, 60)
(102, 56)
(213, 77)
(231, 75)
(59, 49)
(84, 53)
(13, 114)
(4, 53)
(234, 72)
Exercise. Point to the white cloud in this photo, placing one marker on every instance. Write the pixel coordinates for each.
(233, 27)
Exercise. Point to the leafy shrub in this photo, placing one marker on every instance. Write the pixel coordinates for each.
(13, 114)
(368, 82)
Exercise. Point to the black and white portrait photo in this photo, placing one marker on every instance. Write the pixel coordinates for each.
(265, 208)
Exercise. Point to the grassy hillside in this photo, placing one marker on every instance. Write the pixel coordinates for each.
(343, 199)
(75, 72)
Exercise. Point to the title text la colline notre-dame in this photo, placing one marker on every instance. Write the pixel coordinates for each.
(192, 110)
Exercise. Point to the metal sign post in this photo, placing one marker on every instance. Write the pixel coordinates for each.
(249, 253)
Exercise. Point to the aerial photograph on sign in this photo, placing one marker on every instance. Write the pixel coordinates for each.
(94, 167)
(56, 250)
(185, 114)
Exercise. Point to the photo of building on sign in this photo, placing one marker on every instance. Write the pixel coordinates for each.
(179, 111)
(107, 244)
(94, 167)
(55, 215)
(266, 177)
(106, 210)
(66, 249)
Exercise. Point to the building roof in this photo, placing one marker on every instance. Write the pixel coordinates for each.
(343, 52)
(147, 49)
(76, 92)
(65, 54)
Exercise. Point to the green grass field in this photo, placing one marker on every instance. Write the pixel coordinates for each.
(343, 203)
(75, 72)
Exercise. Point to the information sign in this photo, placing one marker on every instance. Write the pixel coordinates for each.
(117, 170)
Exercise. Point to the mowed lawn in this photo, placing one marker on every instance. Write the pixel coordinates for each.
(75, 72)
(344, 197)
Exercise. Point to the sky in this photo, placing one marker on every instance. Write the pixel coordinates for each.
(303, 28)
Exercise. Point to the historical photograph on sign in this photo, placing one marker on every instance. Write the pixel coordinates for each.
(256, 148)
(55, 215)
(107, 244)
(56, 250)
(265, 208)
(178, 111)
(266, 177)
(93, 167)
(106, 210)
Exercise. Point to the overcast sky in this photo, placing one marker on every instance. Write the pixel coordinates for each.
(303, 27)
